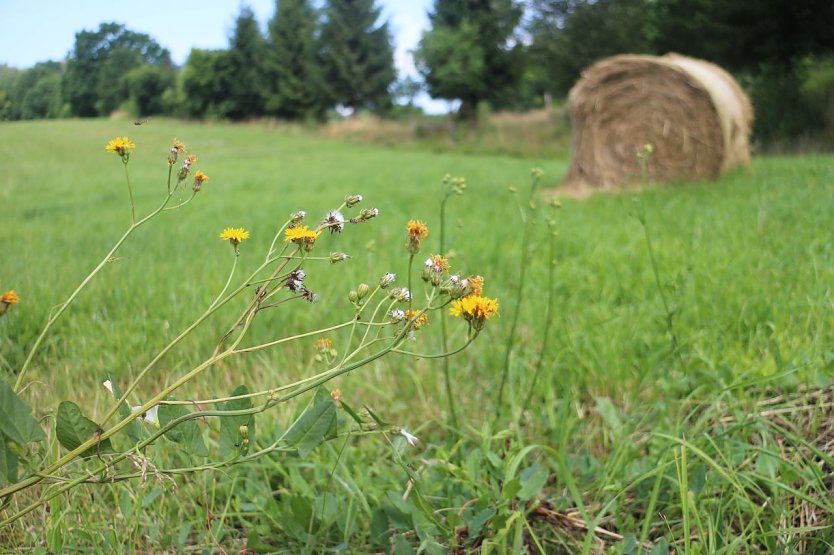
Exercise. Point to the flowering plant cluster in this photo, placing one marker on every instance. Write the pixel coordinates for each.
(380, 321)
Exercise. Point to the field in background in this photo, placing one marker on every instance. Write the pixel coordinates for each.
(533, 134)
(648, 416)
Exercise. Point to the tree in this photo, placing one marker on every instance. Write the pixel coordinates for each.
(295, 87)
(98, 62)
(247, 50)
(769, 43)
(147, 86)
(357, 56)
(570, 35)
(38, 92)
(471, 52)
(206, 84)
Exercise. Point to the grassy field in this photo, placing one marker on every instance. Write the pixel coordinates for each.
(681, 405)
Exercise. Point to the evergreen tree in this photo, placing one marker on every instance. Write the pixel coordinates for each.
(470, 53)
(295, 88)
(356, 54)
(206, 84)
(247, 50)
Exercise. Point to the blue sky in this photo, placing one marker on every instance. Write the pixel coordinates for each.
(41, 30)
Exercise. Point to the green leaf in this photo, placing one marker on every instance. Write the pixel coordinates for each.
(73, 429)
(401, 546)
(186, 433)
(134, 430)
(352, 413)
(476, 523)
(8, 463)
(230, 436)
(16, 420)
(609, 414)
(533, 480)
(316, 423)
(380, 422)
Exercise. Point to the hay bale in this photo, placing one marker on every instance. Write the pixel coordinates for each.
(692, 112)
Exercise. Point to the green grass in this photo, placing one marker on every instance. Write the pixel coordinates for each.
(667, 448)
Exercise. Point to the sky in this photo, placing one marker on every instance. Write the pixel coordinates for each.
(40, 30)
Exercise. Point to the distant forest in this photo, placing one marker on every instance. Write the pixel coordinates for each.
(504, 54)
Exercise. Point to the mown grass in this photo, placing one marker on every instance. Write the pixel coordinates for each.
(631, 440)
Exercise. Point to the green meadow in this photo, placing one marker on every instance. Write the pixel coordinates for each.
(673, 399)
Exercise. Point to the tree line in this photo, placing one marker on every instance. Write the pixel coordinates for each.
(509, 54)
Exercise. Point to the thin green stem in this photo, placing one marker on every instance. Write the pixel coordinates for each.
(525, 250)
(548, 319)
(444, 347)
(225, 287)
(54, 317)
(130, 193)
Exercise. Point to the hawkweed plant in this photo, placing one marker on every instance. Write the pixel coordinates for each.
(379, 320)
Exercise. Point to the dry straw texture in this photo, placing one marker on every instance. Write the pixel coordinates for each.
(692, 112)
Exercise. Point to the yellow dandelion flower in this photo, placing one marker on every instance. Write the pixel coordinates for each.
(475, 309)
(422, 319)
(234, 235)
(477, 283)
(10, 297)
(121, 146)
(178, 146)
(302, 236)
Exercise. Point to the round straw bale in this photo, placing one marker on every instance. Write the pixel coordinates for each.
(692, 112)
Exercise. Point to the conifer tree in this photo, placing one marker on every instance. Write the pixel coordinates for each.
(294, 87)
(247, 49)
(356, 54)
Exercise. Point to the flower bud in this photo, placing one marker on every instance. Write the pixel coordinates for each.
(336, 257)
(362, 290)
(386, 280)
(368, 213)
(244, 431)
(352, 200)
(353, 296)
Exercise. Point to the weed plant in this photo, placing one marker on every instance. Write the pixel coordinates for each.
(610, 438)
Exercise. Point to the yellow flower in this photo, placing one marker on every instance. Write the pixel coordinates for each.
(10, 297)
(302, 236)
(422, 319)
(336, 394)
(199, 179)
(176, 149)
(121, 146)
(323, 345)
(234, 235)
(477, 283)
(475, 309)
(417, 231)
(439, 263)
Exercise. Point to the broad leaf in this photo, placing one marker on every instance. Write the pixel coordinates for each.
(186, 433)
(230, 436)
(73, 429)
(16, 420)
(317, 423)
(8, 463)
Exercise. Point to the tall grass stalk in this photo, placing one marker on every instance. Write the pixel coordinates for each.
(523, 262)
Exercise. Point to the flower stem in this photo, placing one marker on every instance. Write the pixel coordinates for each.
(444, 347)
(63, 306)
(130, 192)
